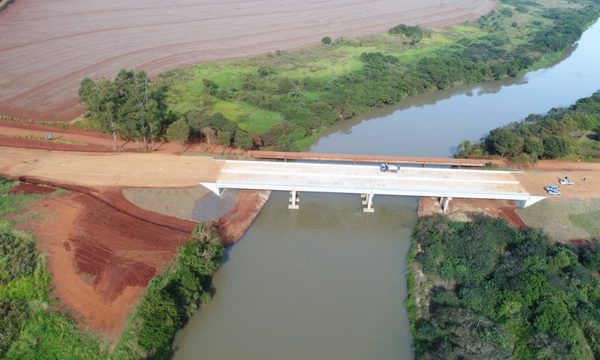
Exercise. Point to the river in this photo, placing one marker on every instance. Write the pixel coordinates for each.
(327, 281)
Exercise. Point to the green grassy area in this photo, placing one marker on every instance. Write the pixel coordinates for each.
(248, 117)
(305, 91)
(563, 219)
(588, 221)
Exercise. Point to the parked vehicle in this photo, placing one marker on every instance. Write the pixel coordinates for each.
(566, 181)
(384, 167)
(394, 168)
(552, 190)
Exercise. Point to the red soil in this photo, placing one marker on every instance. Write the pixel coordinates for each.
(495, 208)
(48, 47)
(102, 256)
(233, 225)
(32, 136)
(25, 188)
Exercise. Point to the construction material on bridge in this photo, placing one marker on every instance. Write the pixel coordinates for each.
(369, 181)
(285, 156)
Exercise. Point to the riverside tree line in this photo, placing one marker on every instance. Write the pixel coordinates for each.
(134, 108)
(563, 132)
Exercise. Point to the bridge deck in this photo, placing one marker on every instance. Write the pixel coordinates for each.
(365, 179)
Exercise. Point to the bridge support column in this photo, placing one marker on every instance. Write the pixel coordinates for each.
(445, 202)
(367, 201)
(294, 200)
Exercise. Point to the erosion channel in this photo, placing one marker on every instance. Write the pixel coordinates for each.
(327, 281)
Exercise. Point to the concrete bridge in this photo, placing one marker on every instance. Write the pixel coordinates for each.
(368, 181)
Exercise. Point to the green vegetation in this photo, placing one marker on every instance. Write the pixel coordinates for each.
(179, 131)
(130, 106)
(571, 133)
(484, 289)
(29, 328)
(326, 40)
(285, 100)
(172, 297)
(32, 328)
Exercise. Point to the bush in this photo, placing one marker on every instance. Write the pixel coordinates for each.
(326, 40)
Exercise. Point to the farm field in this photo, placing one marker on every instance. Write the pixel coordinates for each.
(47, 48)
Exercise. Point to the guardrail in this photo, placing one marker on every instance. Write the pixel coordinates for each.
(285, 156)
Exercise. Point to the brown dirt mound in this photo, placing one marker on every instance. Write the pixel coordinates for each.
(48, 47)
(102, 258)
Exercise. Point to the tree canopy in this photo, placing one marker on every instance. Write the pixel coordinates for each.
(130, 106)
(493, 291)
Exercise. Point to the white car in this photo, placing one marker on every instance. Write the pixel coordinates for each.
(566, 181)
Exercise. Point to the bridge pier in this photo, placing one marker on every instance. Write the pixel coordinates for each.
(367, 201)
(445, 202)
(294, 200)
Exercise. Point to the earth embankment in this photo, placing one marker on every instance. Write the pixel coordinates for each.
(101, 258)
(47, 48)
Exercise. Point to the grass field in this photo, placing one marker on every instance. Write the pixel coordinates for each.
(564, 219)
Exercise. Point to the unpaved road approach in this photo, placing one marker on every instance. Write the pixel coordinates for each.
(48, 47)
(108, 169)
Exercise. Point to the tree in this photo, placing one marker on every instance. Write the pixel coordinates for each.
(130, 106)
(224, 137)
(555, 147)
(179, 131)
(464, 150)
(209, 134)
(534, 146)
(243, 140)
(504, 142)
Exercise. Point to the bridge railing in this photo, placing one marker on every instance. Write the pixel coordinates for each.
(285, 156)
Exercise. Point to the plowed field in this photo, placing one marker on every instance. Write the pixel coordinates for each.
(48, 47)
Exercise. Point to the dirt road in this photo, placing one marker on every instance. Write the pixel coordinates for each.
(48, 47)
(586, 177)
(108, 169)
